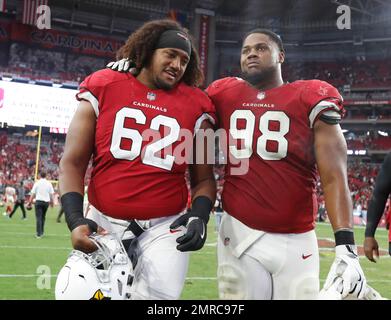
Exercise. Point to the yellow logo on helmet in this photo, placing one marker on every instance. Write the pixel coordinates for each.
(98, 295)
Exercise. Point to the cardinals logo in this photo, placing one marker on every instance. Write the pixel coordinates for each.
(98, 295)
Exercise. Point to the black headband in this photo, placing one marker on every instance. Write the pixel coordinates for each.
(174, 39)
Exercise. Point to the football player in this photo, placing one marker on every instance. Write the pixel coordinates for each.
(10, 198)
(280, 134)
(376, 209)
(135, 128)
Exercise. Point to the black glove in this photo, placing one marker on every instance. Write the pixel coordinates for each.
(195, 221)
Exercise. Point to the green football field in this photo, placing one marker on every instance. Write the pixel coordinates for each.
(26, 262)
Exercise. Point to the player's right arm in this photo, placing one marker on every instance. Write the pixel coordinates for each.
(78, 149)
(376, 208)
(203, 196)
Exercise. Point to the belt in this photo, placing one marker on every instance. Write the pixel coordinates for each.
(135, 228)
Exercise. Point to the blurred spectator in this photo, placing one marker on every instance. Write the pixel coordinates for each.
(21, 197)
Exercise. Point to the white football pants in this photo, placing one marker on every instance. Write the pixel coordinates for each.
(257, 265)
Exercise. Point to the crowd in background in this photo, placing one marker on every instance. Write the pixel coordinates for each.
(358, 73)
(36, 63)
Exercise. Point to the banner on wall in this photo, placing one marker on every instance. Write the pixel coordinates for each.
(77, 43)
(203, 44)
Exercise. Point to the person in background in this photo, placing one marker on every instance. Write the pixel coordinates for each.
(218, 212)
(20, 199)
(43, 194)
(376, 210)
(10, 198)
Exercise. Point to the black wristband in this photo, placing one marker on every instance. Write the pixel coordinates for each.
(72, 204)
(344, 237)
(201, 207)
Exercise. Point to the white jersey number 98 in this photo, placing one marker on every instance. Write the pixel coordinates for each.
(247, 134)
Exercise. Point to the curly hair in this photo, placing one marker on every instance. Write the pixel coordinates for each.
(141, 44)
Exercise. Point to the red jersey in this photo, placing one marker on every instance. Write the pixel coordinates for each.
(273, 131)
(135, 173)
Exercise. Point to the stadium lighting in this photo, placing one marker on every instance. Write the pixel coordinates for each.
(345, 130)
(383, 133)
(350, 152)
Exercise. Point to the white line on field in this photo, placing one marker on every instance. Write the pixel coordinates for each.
(9, 224)
(35, 247)
(188, 278)
(69, 248)
(55, 276)
(213, 244)
(26, 275)
(204, 253)
(29, 234)
(333, 249)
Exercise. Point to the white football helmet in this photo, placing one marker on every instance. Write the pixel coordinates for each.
(105, 274)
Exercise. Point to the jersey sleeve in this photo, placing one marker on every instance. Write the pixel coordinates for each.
(323, 101)
(92, 88)
(208, 112)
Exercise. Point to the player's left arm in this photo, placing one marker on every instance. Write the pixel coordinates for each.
(203, 191)
(331, 157)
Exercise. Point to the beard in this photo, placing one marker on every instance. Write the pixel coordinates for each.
(161, 84)
(259, 77)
